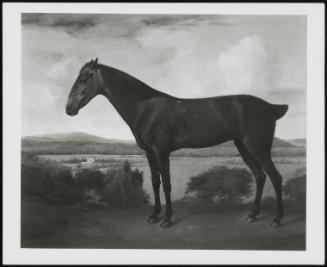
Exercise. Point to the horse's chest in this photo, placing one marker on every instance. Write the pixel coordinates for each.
(152, 130)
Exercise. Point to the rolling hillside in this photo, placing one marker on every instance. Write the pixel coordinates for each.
(298, 142)
(73, 137)
(83, 143)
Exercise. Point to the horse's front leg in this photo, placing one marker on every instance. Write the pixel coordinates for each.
(162, 160)
(155, 175)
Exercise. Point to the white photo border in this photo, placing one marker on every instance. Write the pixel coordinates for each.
(315, 230)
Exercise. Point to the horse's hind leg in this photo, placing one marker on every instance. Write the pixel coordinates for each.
(260, 179)
(261, 150)
(276, 180)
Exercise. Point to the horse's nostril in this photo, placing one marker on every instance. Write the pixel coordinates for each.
(68, 110)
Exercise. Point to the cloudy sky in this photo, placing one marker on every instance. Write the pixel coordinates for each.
(183, 55)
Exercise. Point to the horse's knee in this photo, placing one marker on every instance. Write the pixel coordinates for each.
(156, 181)
(166, 187)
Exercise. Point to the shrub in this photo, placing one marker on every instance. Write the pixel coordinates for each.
(87, 179)
(66, 177)
(28, 158)
(294, 195)
(295, 189)
(222, 184)
(123, 187)
(55, 170)
(36, 181)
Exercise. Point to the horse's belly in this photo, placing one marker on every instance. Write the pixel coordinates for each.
(198, 137)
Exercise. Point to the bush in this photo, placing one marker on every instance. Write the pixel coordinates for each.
(222, 184)
(34, 181)
(65, 176)
(123, 187)
(56, 171)
(294, 196)
(39, 182)
(87, 179)
(295, 190)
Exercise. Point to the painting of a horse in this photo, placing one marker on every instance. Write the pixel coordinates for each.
(162, 123)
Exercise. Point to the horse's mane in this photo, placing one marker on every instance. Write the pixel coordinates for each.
(136, 86)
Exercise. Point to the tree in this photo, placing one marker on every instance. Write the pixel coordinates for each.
(222, 184)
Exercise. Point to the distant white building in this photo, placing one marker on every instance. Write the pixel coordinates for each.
(88, 163)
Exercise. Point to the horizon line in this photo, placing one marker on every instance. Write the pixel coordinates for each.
(43, 134)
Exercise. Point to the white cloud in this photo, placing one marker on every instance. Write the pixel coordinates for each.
(248, 67)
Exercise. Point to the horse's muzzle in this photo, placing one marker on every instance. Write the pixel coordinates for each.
(71, 111)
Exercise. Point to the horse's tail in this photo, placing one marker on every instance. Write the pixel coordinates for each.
(279, 110)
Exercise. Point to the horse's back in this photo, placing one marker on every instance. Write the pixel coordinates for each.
(208, 121)
(202, 122)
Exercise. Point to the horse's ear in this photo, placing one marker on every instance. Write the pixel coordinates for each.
(95, 62)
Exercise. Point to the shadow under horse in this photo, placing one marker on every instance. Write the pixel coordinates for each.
(162, 123)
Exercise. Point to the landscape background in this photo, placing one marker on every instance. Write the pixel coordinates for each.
(70, 149)
(81, 190)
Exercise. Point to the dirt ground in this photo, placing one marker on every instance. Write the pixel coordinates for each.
(53, 226)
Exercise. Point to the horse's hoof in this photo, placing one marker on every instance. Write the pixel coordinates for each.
(250, 219)
(275, 224)
(166, 223)
(153, 220)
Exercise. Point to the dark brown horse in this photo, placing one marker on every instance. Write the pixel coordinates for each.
(162, 123)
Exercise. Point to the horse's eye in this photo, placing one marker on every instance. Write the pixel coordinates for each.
(86, 78)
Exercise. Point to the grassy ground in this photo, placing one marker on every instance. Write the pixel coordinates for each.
(195, 227)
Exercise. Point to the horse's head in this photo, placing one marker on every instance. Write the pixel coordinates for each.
(86, 86)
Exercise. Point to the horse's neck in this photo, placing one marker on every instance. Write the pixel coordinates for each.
(125, 92)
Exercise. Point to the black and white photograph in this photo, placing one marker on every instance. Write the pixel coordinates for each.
(167, 131)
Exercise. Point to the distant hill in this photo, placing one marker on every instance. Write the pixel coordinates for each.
(281, 143)
(298, 141)
(82, 143)
(84, 137)
(74, 137)
(276, 143)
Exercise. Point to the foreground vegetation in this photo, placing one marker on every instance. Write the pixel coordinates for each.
(91, 209)
(120, 186)
(229, 187)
